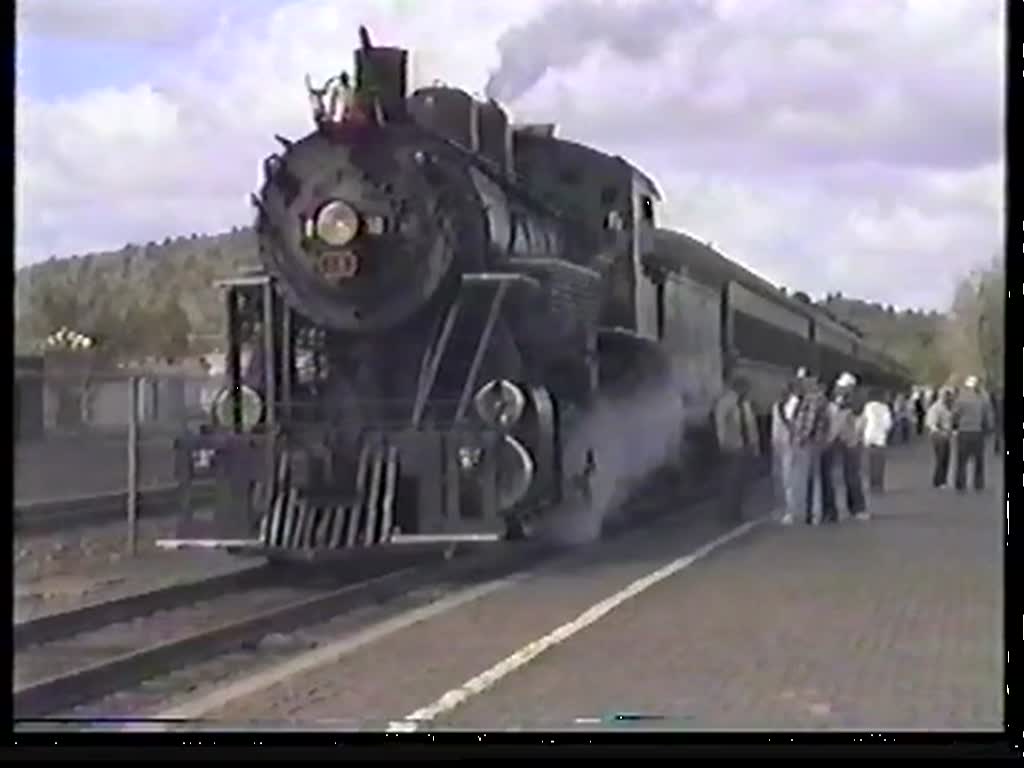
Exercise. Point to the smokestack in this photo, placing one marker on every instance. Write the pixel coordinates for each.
(381, 73)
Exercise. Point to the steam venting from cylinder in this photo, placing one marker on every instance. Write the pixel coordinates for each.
(632, 437)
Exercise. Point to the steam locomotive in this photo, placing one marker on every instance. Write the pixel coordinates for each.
(444, 304)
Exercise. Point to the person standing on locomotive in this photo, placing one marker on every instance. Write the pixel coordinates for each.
(736, 430)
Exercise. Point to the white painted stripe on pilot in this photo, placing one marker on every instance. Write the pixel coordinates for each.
(221, 697)
(527, 653)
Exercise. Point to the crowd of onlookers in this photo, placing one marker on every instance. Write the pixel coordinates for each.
(821, 437)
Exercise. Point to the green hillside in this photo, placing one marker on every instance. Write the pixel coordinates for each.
(154, 299)
(912, 337)
(159, 300)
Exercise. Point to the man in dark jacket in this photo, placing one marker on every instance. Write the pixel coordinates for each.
(736, 432)
(972, 419)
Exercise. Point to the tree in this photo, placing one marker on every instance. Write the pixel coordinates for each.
(170, 331)
(974, 334)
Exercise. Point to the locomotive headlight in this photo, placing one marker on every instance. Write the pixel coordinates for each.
(337, 223)
(252, 407)
(500, 403)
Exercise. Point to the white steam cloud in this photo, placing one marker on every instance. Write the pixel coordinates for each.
(566, 32)
(632, 437)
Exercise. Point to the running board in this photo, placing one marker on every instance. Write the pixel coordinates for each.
(444, 538)
(178, 544)
(399, 539)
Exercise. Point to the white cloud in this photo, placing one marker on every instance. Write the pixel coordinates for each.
(826, 147)
(136, 21)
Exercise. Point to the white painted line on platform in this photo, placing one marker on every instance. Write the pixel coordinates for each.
(329, 654)
(527, 653)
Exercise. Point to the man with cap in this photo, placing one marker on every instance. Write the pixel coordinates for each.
(736, 430)
(972, 418)
(843, 446)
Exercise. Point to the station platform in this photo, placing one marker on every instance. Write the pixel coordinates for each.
(893, 623)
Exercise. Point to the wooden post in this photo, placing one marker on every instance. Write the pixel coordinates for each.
(133, 466)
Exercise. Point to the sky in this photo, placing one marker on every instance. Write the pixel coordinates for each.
(851, 145)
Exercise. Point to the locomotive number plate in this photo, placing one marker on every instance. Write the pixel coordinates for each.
(339, 265)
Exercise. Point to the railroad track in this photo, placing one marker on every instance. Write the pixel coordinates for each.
(51, 516)
(81, 656)
(189, 624)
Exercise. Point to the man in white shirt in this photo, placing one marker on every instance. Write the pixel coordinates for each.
(782, 446)
(876, 422)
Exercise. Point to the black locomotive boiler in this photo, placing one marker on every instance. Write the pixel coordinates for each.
(445, 301)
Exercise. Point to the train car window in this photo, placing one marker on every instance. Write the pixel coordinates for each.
(609, 195)
(647, 208)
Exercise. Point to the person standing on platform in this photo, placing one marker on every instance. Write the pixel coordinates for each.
(876, 423)
(809, 430)
(842, 448)
(919, 412)
(939, 421)
(972, 420)
(782, 448)
(736, 430)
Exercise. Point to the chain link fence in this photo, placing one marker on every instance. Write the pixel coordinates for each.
(83, 437)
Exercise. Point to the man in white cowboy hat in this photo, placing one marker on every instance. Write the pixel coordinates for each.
(843, 446)
(972, 418)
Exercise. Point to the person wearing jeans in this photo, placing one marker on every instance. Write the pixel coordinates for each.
(809, 431)
(972, 420)
(939, 422)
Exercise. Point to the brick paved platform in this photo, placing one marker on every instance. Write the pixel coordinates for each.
(894, 623)
(887, 624)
